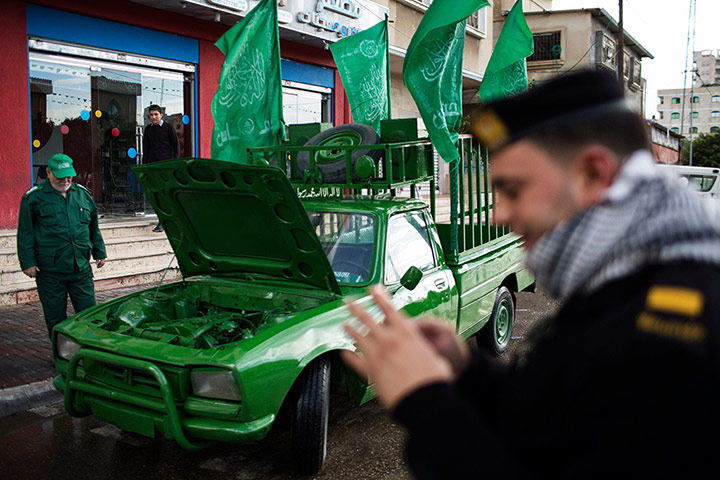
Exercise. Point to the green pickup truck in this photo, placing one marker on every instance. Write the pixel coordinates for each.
(268, 258)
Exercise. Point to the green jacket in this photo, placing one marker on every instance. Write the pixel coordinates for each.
(56, 233)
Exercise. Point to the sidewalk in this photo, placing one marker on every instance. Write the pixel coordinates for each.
(26, 365)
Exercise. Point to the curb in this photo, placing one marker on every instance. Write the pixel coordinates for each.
(24, 397)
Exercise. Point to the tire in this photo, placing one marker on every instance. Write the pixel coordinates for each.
(496, 334)
(331, 163)
(310, 417)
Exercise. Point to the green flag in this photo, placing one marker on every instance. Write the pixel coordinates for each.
(506, 72)
(247, 107)
(432, 70)
(362, 61)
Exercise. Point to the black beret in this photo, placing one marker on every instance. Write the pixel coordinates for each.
(561, 101)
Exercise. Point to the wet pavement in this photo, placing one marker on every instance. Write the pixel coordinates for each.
(45, 442)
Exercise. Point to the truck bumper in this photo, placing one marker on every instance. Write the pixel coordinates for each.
(147, 415)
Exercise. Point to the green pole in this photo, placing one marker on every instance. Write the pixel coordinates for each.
(387, 54)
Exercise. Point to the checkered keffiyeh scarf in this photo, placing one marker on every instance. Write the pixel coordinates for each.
(643, 219)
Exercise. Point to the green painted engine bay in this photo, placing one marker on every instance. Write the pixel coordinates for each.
(200, 316)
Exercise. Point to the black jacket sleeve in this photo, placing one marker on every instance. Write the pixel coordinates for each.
(172, 138)
(448, 438)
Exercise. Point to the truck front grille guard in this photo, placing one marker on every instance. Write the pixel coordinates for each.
(165, 405)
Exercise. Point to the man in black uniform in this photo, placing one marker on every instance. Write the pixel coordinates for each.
(623, 381)
(57, 233)
(159, 141)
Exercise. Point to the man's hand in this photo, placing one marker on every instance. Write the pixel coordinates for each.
(31, 272)
(394, 354)
(99, 263)
(446, 343)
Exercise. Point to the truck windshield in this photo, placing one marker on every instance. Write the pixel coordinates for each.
(348, 240)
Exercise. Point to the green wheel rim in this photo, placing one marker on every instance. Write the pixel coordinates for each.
(345, 138)
(503, 323)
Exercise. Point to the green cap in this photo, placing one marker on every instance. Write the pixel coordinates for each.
(61, 166)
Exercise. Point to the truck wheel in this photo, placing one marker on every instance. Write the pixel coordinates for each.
(310, 419)
(495, 336)
(331, 162)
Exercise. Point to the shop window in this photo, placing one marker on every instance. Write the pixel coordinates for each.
(675, 100)
(95, 111)
(675, 115)
(303, 103)
(547, 47)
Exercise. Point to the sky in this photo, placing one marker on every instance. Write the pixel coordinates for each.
(661, 26)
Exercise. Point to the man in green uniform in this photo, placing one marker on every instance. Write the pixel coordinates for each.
(57, 233)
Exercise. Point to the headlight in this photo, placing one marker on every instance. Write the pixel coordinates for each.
(65, 347)
(214, 384)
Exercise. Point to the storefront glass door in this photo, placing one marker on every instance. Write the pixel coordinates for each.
(306, 103)
(95, 111)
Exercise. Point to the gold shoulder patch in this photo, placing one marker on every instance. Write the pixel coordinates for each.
(676, 300)
(490, 129)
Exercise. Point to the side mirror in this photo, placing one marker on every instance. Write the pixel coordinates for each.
(411, 278)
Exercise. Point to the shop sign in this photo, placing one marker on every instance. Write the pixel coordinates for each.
(329, 20)
(237, 5)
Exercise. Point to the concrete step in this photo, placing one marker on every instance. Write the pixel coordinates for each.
(128, 228)
(8, 239)
(138, 261)
(26, 292)
(136, 256)
(109, 228)
(117, 247)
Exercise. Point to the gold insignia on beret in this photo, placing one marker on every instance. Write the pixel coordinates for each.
(490, 129)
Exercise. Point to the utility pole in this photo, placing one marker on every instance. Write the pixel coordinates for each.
(621, 47)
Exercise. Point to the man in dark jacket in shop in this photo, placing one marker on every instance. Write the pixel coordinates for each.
(159, 141)
(623, 381)
(57, 233)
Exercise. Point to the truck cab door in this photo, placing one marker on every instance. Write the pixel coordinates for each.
(409, 244)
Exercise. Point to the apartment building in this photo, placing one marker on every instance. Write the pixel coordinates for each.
(707, 67)
(690, 111)
(585, 38)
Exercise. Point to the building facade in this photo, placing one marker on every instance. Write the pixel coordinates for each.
(586, 38)
(707, 67)
(690, 111)
(79, 75)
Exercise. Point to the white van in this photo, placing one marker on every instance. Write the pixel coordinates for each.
(704, 180)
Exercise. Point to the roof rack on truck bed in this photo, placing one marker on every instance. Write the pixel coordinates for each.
(341, 164)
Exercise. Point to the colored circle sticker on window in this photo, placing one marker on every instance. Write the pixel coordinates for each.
(98, 113)
(186, 119)
(132, 153)
(36, 143)
(64, 129)
(85, 115)
(115, 132)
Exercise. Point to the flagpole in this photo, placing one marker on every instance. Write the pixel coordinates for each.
(387, 55)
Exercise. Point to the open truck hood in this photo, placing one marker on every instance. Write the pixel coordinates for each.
(222, 217)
